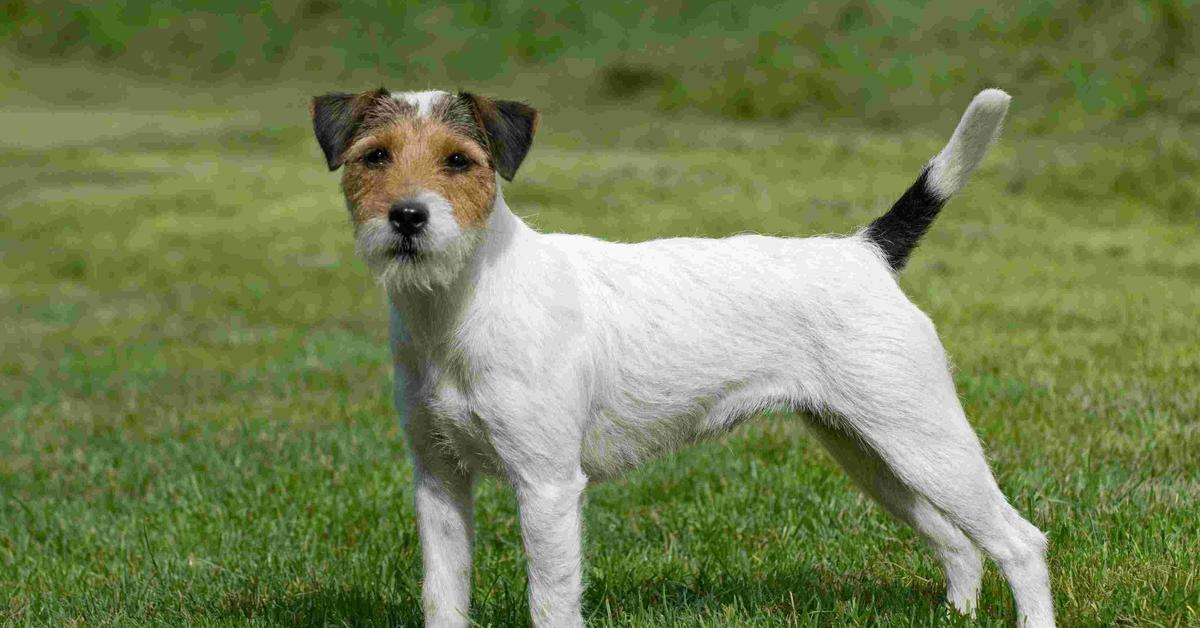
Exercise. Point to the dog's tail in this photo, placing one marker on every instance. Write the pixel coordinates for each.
(897, 232)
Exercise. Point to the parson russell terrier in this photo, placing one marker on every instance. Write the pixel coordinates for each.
(556, 360)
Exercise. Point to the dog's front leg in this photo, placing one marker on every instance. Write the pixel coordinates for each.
(444, 522)
(550, 527)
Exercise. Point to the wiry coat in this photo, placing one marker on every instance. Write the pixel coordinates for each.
(554, 360)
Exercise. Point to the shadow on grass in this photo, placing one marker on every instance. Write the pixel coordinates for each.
(324, 606)
(807, 592)
(614, 599)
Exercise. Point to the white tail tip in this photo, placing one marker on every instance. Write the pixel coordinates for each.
(979, 127)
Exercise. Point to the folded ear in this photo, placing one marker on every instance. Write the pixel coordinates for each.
(508, 126)
(336, 117)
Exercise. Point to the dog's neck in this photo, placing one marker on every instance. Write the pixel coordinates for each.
(429, 315)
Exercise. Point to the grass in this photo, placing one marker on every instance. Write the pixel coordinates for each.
(194, 418)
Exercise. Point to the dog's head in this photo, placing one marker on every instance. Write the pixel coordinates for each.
(419, 173)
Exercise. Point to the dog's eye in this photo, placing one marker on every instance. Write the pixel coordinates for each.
(458, 162)
(375, 157)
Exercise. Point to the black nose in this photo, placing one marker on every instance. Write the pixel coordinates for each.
(409, 217)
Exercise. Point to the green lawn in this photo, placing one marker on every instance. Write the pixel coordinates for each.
(195, 426)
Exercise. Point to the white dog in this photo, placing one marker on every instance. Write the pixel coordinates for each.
(555, 360)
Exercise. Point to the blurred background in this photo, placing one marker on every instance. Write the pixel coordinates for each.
(1081, 69)
(194, 417)
(1076, 64)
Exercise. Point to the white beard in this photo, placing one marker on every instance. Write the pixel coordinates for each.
(439, 252)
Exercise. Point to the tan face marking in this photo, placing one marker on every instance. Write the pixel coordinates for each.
(417, 149)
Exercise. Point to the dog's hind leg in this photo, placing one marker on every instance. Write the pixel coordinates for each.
(959, 557)
(948, 469)
(901, 405)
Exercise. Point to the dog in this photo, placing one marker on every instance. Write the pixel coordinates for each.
(555, 360)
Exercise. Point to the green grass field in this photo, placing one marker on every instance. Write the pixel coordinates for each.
(195, 426)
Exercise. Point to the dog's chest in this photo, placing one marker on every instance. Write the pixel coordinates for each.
(457, 428)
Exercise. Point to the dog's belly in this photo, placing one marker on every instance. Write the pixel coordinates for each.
(617, 441)
(614, 444)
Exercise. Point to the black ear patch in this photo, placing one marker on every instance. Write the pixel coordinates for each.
(508, 126)
(336, 118)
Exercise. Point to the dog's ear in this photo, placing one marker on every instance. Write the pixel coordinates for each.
(336, 118)
(508, 127)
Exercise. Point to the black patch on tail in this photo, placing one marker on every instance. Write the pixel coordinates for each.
(898, 231)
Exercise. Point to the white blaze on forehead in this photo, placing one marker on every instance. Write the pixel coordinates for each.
(423, 101)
